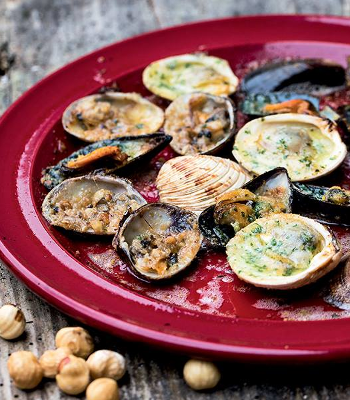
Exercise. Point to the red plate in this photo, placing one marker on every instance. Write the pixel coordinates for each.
(208, 312)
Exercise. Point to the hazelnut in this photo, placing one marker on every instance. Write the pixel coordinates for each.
(24, 369)
(51, 359)
(201, 375)
(77, 339)
(102, 388)
(12, 322)
(73, 375)
(106, 363)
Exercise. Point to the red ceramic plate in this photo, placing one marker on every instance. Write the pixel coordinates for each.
(208, 312)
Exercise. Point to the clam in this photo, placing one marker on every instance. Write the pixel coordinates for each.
(307, 146)
(283, 251)
(187, 73)
(338, 291)
(111, 115)
(269, 193)
(314, 77)
(199, 123)
(194, 182)
(111, 154)
(330, 205)
(159, 240)
(93, 204)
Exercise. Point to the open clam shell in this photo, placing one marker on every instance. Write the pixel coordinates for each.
(194, 182)
(311, 76)
(111, 115)
(159, 240)
(199, 123)
(283, 251)
(307, 146)
(274, 184)
(92, 204)
(173, 76)
(132, 150)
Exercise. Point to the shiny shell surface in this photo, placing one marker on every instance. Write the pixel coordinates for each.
(194, 182)
(92, 204)
(111, 115)
(187, 73)
(307, 146)
(199, 123)
(283, 251)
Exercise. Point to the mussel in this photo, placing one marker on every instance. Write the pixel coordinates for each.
(111, 115)
(159, 240)
(111, 154)
(269, 193)
(194, 182)
(330, 205)
(173, 76)
(308, 146)
(310, 76)
(199, 123)
(283, 251)
(92, 204)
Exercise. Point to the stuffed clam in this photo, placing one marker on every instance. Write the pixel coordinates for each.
(269, 193)
(111, 115)
(111, 154)
(283, 251)
(307, 146)
(173, 76)
(199, 123)
(92, 204)
(194, 182)
(159, 240)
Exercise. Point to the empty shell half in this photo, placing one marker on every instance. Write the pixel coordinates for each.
(111, 115)
(194, 182)
(93, 204)
(173, 76)
(283, 251)
(199, 123)
(159, 240)
(307, 146)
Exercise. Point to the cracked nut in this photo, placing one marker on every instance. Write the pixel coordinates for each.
(12, 322)
(77, 339)
(24, 369)
(106, 364)
(102, 388)
(51, 359)
(73, 375)
(200, 375)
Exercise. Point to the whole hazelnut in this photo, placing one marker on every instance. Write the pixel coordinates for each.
(102, 388)
(200, 375)
(77, 339)
(73, 375)
(12, 322)
(106, 364)
(51, 359)
(24, 369)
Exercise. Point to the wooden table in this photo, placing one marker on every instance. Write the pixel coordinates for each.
(39, 36)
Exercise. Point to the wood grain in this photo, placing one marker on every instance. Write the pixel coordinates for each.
(39, 36)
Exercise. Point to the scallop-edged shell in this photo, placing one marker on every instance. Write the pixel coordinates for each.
(111, 115)
(194, 182)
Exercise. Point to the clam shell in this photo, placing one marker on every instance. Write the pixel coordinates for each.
(194, 182)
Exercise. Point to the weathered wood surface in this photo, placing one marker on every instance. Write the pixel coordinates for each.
(39, 36)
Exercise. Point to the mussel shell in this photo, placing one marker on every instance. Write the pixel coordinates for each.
(308, 201)
(254, 103)
(311, 76)
(175, 111)
(219, 235)
(159, 218)
(140, 149)
(75, 189)
(337, 292)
